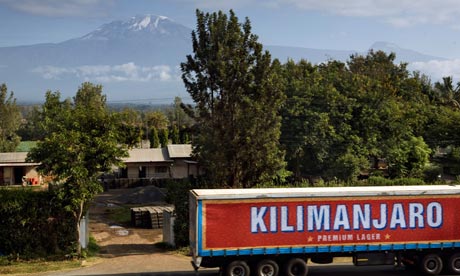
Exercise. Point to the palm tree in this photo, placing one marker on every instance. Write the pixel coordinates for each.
(448, 95)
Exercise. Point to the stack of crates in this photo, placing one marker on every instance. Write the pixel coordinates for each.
(149, 216)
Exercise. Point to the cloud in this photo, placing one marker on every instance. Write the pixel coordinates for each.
(108, 73)
(400, 13)
(57, 8)
(437, 69)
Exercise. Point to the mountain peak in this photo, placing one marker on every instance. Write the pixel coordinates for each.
(385, 46)
(141, 22)
(140, 25)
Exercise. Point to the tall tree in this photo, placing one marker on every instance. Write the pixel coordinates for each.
(154, 139)
(82, 141)
(447, 93)
(10, 120)
(237, 91)
(163, 137)
(130, 126)
(174, 135)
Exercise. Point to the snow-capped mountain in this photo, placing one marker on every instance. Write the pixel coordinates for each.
(133, 59)
(137, 26)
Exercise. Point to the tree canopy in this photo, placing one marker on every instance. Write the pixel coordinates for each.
(338, 116)
(238, 93)
(80, 143)
(10, 120)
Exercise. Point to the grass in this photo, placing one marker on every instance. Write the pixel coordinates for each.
(20, 267)
(120, 215)
(35, 266)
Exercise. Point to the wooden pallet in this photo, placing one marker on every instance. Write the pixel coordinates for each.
(149, 216)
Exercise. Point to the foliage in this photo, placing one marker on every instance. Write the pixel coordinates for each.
(379, 181)
(447, 94)
(237, 91)
(154, 139)
(409, 158)
(81, 142)
(156, 119)
(34, 224)
(10, 120)
(177, 116)
(178, 192)
(31, 129)
(129, 127)
(432, 173)
(339, 115)
(92, 249)
(163, 137)
(26, 146)
(174, 135)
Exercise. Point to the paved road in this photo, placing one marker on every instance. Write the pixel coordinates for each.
(172, 265)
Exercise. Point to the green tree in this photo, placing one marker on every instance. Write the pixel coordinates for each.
(447, 93)
(30, 129)
(163, 137)
(174, 135)
(339, 115)
(409, 158)
(177, 116)
(156, 119)
(238, 93)
(10, 120)
(154, 139)
(184, 135)
(82, 140)
(130, 127)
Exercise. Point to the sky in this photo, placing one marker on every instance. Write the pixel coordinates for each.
(431, 27)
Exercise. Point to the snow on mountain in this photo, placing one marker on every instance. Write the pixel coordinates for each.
(138, 26)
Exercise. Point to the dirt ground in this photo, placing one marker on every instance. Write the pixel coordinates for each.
(127, 250)
(121, 240)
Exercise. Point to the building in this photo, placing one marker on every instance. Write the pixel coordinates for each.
(172, 162)
(14, 169)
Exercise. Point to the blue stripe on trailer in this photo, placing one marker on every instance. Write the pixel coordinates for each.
(320, 249)
(200, 228)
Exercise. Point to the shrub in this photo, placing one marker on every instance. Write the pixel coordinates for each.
(34, 224)
(379, 181)
(408, 181)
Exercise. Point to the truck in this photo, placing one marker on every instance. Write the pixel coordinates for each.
(277, 231)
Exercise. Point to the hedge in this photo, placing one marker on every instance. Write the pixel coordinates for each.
(34, 224)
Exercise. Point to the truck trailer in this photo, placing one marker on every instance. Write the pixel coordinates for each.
(276, 231)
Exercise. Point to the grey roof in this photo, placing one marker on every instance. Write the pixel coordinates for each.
(147, 155)
(180, 151)
(135, 155)
(14, 159)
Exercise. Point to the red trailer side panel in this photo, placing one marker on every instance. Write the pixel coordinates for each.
(302, 222)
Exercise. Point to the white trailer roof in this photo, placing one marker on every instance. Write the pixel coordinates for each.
(326, 192)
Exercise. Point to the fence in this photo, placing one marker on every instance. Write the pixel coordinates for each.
(122, 183)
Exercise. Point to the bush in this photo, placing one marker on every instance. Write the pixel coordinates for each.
(379, 181)
(432, 173)
(408, 182)
(178, 196)
(34, 224)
